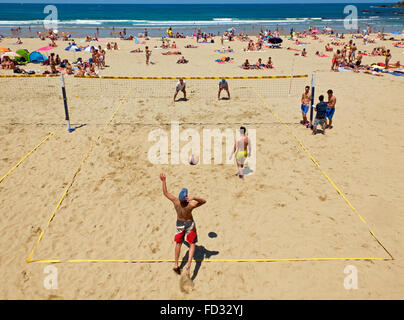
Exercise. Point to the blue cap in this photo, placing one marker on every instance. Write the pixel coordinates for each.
(183, 194)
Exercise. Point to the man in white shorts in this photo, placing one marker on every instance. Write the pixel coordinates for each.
(180, 87)
(223, 85)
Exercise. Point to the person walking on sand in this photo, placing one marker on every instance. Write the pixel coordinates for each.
(240, 149)
(184, 205)
(148, 54)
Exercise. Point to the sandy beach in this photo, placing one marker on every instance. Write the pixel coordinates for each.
(288, 208)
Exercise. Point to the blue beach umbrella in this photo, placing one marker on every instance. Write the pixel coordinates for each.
(73, 48)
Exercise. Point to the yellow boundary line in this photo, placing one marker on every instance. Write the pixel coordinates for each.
(323, 172)
(205, 260)
(74, 177)
(154, 78)
(193, 78)
(26, 156)
(28, 75)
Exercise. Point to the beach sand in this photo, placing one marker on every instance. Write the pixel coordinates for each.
(286, 209)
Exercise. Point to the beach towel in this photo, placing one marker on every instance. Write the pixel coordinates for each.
(322, 55)
(224, 51)
(343, 69)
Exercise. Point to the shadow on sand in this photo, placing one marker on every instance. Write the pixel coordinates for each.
(201, 253)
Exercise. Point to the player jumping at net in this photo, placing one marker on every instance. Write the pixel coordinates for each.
(306, 98)
(240, 149)
(223, 85)
(186, 229)
(181, 86)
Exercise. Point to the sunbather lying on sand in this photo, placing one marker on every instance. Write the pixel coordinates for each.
(168, 53)
(182, 60)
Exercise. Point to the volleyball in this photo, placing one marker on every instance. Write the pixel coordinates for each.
(193, 159)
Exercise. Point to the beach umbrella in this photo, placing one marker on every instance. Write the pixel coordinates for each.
(88, 49)
(275, 40)
(10, 54)
(4, 50)
(73, 48)
(46, 48)
(314, 31)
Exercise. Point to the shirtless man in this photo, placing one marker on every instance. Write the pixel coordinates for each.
(184, 205)
(336, 60)
(332, 100)
(306, 98)
(52, 64)
(358, 61)
(240, 149)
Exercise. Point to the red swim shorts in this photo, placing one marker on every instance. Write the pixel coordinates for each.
(186, 229)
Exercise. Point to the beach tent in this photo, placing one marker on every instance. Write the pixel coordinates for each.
(10, 54)
(37, 57)
(24, 59)
(73, 48)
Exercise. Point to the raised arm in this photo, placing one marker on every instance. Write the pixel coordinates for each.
(198, 201)
(165, 192)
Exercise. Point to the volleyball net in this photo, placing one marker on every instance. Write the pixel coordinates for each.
(40, 99)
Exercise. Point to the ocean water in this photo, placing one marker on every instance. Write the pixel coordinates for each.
(86, 18)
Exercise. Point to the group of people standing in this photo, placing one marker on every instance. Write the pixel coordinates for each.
(324, 110)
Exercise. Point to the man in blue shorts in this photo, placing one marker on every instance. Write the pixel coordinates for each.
(332, 100)
(306, 98)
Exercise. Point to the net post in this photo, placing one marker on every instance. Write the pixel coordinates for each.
(291, 77)
(313, 85)
(67, 118)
